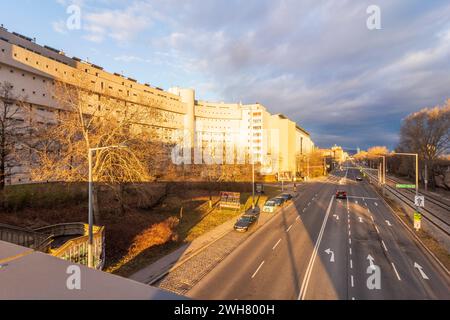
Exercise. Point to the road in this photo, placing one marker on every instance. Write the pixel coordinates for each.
(323, 248)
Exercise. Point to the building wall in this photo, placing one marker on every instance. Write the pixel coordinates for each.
(33, 70)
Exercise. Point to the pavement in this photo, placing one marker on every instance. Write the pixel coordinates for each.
(323, 248)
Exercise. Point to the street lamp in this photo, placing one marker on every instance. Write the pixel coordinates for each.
(91, 215)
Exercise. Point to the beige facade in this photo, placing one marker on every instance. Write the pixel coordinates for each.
(272, 140)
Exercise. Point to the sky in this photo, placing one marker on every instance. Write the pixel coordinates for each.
(315, 61)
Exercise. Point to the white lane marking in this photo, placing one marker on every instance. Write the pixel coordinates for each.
(384, 245)
(304, 286)
(276, 245)
(396, 273)
(376, 204)
(297, 219)
(371, 217)
(289, 229)
(353, 282)
(309, 204)
(350, 250)
(360, 220)
(388, 223)
(419, 267)
(349, 241)
(376, 228)
(257, 270)
(304, 209)
(351, 264)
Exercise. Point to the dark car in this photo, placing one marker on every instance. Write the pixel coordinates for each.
(245, 222)
(286, 196)
(341, 195)
(279, 201)
(359, 178)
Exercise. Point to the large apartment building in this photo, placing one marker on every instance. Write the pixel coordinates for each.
(273, 141)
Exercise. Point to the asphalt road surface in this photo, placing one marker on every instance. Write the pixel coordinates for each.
(319, 247)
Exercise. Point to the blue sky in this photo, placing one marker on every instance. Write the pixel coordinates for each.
(314, 61)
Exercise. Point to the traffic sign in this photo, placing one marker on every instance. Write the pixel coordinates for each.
(419, 201)
(417, 221)
(405, 186)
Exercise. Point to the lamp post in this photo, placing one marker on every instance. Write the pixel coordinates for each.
(91, 214)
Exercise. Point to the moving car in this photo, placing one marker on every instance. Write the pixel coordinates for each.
(341, 195)
(286, 196)
(359, 178)
(245, 222)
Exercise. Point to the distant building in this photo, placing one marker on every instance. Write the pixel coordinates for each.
(274, 141)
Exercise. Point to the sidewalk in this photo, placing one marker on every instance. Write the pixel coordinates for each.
(165, 265)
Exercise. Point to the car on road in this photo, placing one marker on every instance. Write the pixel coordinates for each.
(341, 195)
(359, 178)
(245, 222)
(286, 196)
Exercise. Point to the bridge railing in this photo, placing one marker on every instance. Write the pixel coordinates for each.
(26, 238)
(76, 250)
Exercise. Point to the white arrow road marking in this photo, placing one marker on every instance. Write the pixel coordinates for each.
(419, 267)
(329, 251)
(388, 223)
(336, 216)
(371, 259)
(257, 270)
(304, 286)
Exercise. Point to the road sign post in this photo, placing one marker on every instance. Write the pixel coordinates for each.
(419, 201)
(405, 186)
(417, 221)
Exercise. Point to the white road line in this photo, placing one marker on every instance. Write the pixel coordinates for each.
(257, 270)
(371, 217)
(276, 245)
(349, 241)
(289, 229)
(376, 204)
(350, 250)
(396, 273)
(384, 245)
(304, 209)
(297, 219)
(304, 286)
(376, 228)
(351, 264)
(353, 282)
(309, 204)
(349, 233)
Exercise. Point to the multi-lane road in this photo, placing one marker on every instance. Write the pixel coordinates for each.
(320, 247)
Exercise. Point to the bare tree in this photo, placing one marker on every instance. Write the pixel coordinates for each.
(90, 121)
(13, 128)
(427, 133)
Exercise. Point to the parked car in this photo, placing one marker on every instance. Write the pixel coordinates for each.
(341, 195)
(244, 223)
(286, 196)
(279, 201)
(270, 206)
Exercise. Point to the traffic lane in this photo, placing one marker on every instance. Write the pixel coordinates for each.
(231, 277)
(421, 276)
(366, 251)
(329, 275)
(284, 270)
